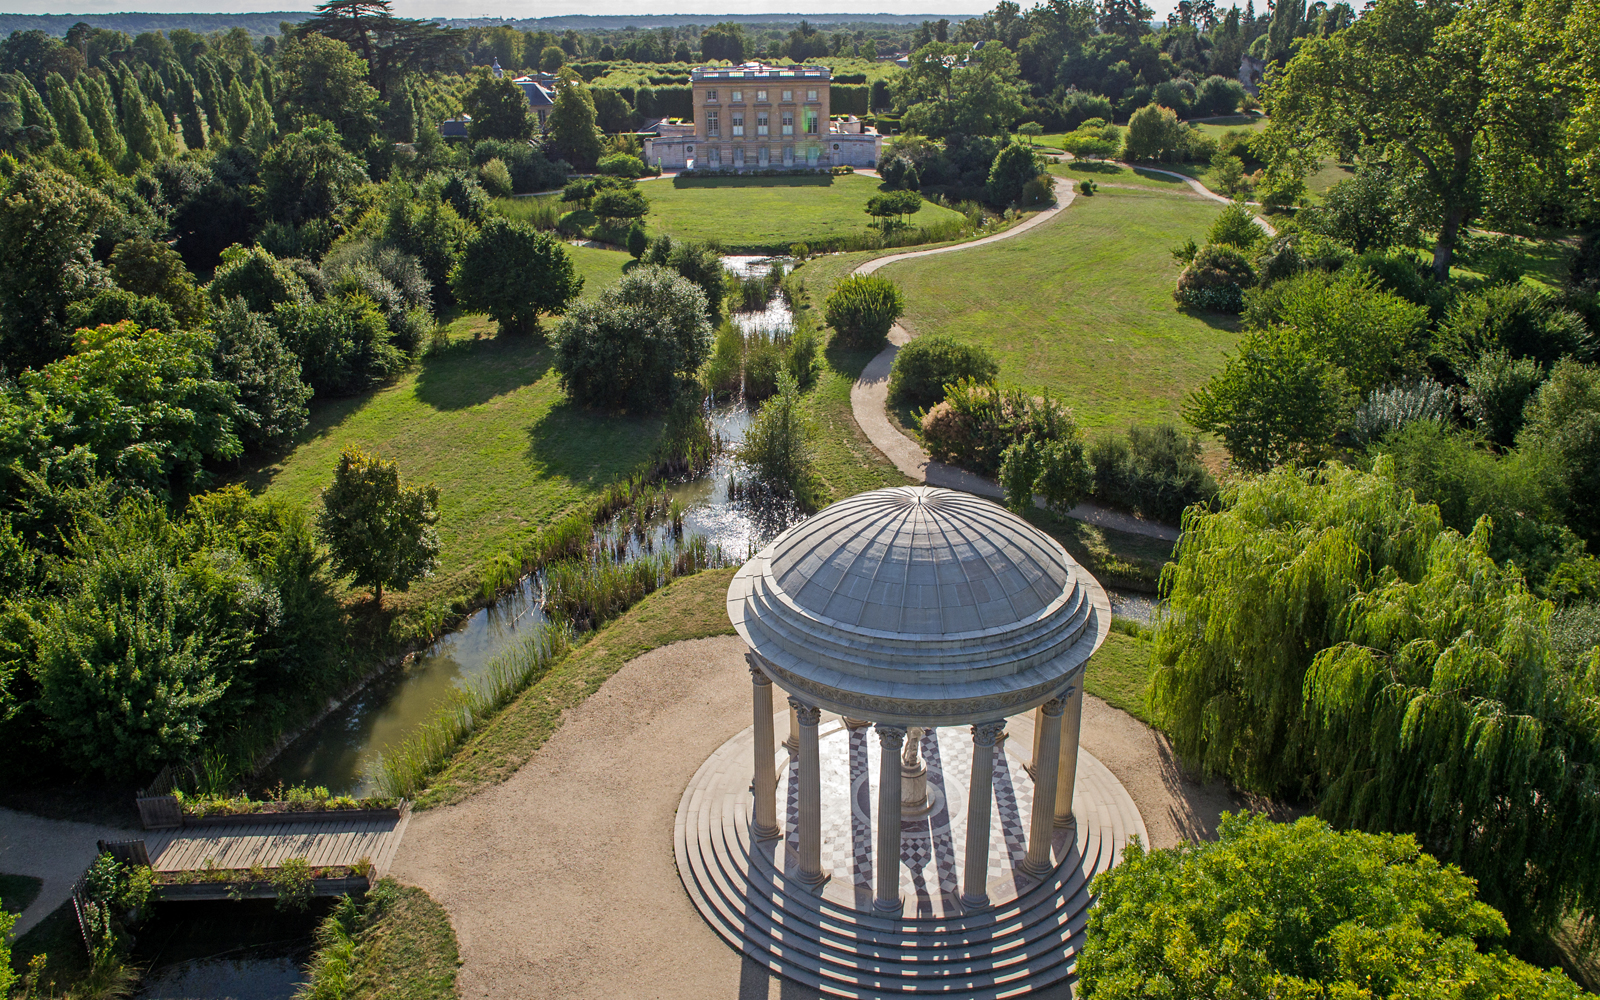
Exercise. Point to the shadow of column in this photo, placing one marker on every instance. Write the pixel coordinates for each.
(1012, 828)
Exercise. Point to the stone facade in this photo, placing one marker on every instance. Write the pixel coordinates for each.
(759, 117)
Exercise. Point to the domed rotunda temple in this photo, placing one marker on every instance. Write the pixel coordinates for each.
(919, 818)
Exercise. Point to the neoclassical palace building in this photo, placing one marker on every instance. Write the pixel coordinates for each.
(756, 116)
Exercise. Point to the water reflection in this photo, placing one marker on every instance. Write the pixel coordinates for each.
(274, 978)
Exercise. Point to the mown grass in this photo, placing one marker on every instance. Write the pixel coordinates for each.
(693, 607)
(768, 213)
(1082, 306)
(486, 422)
(1119, 673)
(1104, 172)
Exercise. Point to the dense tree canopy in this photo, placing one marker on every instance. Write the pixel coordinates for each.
(515, 275)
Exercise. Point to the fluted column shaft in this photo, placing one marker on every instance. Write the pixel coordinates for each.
(810, 795)
(764, 819)
(980, 799)
(1046, 765)
(887, 897)
(1067, 772)
(792, 744)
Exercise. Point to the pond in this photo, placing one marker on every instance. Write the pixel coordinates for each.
(226, 950)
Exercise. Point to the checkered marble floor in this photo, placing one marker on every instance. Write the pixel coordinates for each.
(932, 847)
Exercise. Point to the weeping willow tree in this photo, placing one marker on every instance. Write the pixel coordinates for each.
(1327, 636)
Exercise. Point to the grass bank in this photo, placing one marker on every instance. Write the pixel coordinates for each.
(395, 944)
(1082, 307)
(1119, 673)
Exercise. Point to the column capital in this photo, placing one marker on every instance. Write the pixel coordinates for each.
(758, 676)
(1054, 707)
(892, 737)
(987, 734)
(809, 715)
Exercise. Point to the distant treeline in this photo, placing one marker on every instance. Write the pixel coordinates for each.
(137, 24)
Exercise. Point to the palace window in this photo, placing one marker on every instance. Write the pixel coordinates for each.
(761, 97)
(714, 157)
(738, 123)
(712, 127)
(761, 123)
(811, 95)
(788, 95)
(736, 97)
(811, 121)
(711, 96)
(788, 156)
(788, 123)
(763, 157)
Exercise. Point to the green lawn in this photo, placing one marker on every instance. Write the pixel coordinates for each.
(1119, 672)
(1216, 128)
(767, 213)
(1102, 172)
(1082, 306)
(484, 420)
(600, 268)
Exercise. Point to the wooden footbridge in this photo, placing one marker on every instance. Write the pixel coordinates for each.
(325, 841)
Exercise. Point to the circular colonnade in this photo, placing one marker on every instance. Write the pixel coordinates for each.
(934, 642)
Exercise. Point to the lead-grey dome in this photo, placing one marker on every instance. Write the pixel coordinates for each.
(919, 605)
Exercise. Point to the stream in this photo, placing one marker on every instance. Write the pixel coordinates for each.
(337, 752)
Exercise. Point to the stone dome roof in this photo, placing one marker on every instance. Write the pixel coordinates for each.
(917, 605)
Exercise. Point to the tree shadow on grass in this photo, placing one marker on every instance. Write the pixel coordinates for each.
(326, 417)
(1215, 320)
(469, 372)
(591, 446)
(849, 360)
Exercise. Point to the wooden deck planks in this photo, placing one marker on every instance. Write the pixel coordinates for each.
(323, 843)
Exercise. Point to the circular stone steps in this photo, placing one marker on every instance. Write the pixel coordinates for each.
(1005, 950)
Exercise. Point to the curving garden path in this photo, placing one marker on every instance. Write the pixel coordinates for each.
(869, 399)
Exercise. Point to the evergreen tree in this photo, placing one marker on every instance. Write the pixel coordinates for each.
(73, 127)
(94, 97)
(570, 125)
(140, 126)
(35, 114)
(237, 115)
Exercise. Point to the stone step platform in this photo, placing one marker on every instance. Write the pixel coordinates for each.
(805, 934)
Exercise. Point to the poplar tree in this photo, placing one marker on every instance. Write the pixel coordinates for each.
(94, 97)
(71, 123)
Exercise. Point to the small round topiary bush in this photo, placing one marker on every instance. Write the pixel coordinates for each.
(1215, 280)
(621, 165)
(862, 308)
(925, 366)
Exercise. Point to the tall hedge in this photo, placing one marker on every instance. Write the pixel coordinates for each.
(850, 99)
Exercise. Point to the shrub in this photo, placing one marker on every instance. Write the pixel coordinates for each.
(1087, 188)
(1235, 227)
(1564, 417)
(1156, 472)
(1522, 320)
(344, 345)
(113, 305)
(1038, 192)
(778, 445)
(378, 531)
(631, 348)
(1297, 910)
(1155, 133)
(1014, 166)
(1392, 407)
(925, 366)
(612, 206)
(1290, 253)
(496, 180)
(899, 173)
(977, 422)
(1054, 469)
(1218, 95)
(1374, 336)
(250, 355)
(1498, 389)
(638, 242)
(621, 165)
(259, 278)
(862, 308)
(1215, 280)
(529, 168)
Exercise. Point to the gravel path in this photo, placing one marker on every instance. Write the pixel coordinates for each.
(561, 882)
(869, 399)
(54, 850)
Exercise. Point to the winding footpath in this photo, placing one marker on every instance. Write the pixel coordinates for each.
(869, 399)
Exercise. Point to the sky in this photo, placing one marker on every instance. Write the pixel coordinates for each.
(529, 8)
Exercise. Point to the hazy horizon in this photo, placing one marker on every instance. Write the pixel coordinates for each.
(527, 8)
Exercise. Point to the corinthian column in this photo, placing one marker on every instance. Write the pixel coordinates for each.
(1044, 789)
(764, 820)
(1067, 774)
(811, 872)
(980, 797)
(887, 898)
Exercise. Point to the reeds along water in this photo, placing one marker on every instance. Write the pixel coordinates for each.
(403, 771)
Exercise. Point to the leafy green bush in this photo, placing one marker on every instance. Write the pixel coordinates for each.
(1297, 910)
(1052, 468)
(779, 448)
(1156, 472)
(977, 422)
(251, 356)
(632, 348)
(1215, 280)
(1374, 336)
(1522, 320)
(621, 165)
(862, 308)
(1014, 166)
(378, 531)
(344, 344)
(925, 366)
(496, 180)
(1563, 418)
(259, 278)
(1235, 227)
(113, 305)
(529, 168)
(1326, 635)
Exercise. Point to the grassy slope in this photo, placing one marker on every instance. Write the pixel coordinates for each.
(1098, 324)
(689, 608)
(768, 211)
(17, 892)
(1102, 172)
(600, 268)
(409, 953)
